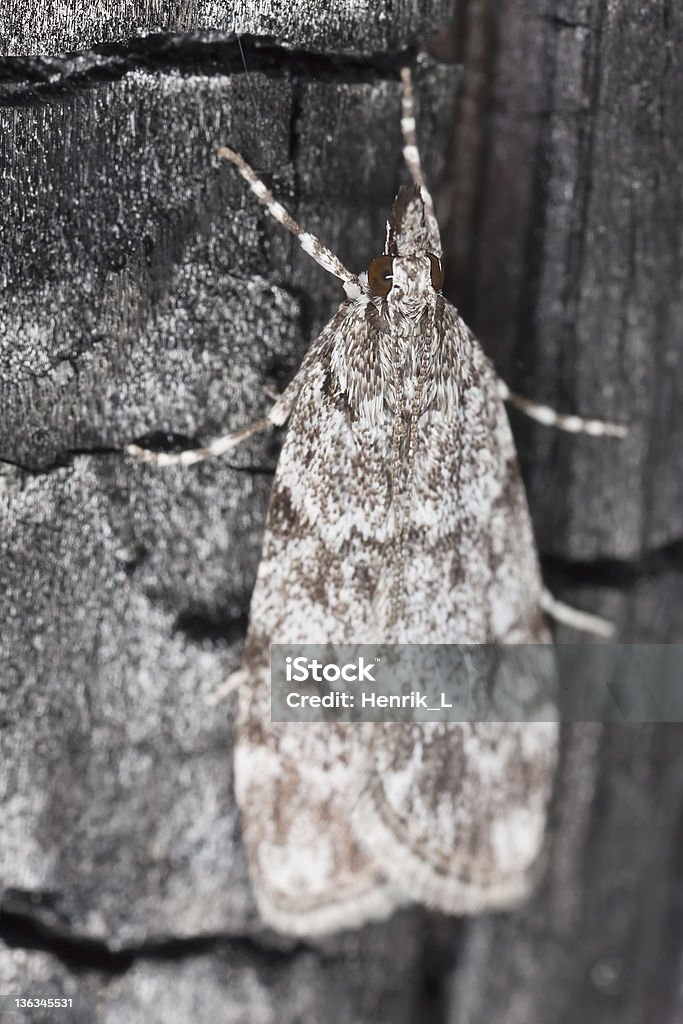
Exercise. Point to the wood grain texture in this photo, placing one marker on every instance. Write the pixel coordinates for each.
(567, 233)
(346, 26)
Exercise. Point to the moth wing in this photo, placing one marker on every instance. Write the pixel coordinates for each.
(464, 835)
(296, 784)
(456, 812)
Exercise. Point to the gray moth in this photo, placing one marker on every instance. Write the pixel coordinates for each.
(397, 515)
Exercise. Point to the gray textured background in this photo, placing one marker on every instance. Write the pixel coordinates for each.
(347, 26)
(145, 293)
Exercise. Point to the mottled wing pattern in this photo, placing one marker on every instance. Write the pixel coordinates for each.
(297, 783)
(471, 573)
(464, 834)
(329, 513)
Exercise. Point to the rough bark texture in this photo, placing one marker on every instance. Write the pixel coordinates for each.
(567, 241)
(346, 26)
(146, 293)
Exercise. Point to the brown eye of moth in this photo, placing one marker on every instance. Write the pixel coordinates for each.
(437, 272)
(380, 274)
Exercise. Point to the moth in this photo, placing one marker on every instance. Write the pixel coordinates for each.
(397, 515)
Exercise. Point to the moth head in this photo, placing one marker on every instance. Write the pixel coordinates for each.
(409, 230)
(408, 270)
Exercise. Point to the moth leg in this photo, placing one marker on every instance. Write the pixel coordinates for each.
(277, 417)
(309, 243)
(218, 446)
(233, 683)
(411, 155)
(550, 418)
(568, 616)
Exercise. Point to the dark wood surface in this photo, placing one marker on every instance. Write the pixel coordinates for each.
(342, 27)
(146, 294)
(567, 233)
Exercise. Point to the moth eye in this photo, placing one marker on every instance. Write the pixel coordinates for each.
(380, 275)
(437, 272)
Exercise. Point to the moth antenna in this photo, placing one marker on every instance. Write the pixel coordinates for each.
(323, 256)
(411, 154)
